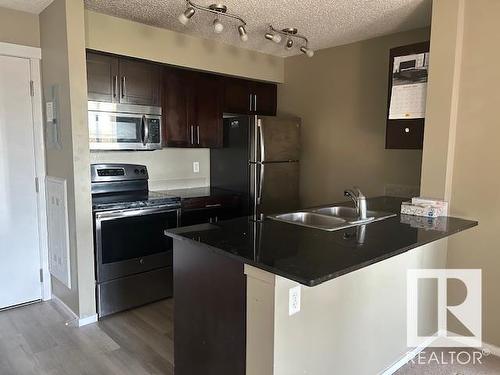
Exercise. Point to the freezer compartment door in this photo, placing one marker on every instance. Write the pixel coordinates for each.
(278, 139)
(276, 188)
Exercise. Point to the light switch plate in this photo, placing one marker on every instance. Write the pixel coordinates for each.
(294, 300)
(196, 167)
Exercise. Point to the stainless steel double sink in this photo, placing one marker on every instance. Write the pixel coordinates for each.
(330, 218)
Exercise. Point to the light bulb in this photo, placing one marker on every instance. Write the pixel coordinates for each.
(276, 38)
(218, 26)
(307, 51)
(185, 16)
(289, 43)
(243, 33)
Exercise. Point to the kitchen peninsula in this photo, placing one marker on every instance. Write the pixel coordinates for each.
(240, 274)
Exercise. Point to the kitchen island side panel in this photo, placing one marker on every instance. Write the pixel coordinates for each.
(209, 311)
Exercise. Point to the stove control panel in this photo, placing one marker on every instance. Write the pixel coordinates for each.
(117, 172)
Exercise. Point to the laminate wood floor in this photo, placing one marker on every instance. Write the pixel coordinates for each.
(35, 339)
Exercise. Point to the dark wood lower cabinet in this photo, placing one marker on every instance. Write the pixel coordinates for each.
(209, 312)
(210, 209)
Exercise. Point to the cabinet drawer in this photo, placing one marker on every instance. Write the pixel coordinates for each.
(405, 136)
(211, 202)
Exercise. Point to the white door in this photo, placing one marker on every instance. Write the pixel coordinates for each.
(19, 245)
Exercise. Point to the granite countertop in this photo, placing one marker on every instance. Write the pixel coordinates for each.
(312, 256)
(197, 192)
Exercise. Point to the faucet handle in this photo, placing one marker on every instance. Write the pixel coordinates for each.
(360, 194)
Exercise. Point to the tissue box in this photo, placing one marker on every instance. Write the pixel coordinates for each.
(425, 209)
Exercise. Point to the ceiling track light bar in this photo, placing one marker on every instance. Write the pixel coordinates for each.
(217, 9)
(290, 33)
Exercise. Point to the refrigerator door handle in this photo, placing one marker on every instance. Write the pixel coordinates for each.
(261, 140)
(261, 183)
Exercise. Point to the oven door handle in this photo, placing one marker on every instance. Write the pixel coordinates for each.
(118, 214)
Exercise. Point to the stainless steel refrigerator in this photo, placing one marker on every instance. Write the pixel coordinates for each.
(259, 160)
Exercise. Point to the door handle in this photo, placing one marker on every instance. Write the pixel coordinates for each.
(251, 107)
(124, 87)
(192, 134)
(213, 205)
(115, 86)
(255, 102)
(261, 140)
(145, 125)
(261, 183)
(198, 133)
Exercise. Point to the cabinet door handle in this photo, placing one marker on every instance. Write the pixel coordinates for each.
(198, 133)
(192, 134)
(115, 86)
(251, 106)
(124, 87)
(255, 102)
(213, 205)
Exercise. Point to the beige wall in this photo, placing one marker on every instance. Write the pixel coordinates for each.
(476, 181)
(341, 95)
(353, 324)
(111, 34)
(63, 66)
(169, 168)
(461, 144)
(19, 27)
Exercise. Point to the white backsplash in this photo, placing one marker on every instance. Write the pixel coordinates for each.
(169, 168)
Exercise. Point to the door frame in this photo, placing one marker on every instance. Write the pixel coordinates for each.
(34, 55)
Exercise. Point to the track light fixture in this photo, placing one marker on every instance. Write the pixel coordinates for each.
(290, 33)
(276, 38)
(185, 16)
(220, 11)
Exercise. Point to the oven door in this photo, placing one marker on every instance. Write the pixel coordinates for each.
(128, 242)
(123, 131)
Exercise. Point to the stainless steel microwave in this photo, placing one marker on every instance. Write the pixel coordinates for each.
(115, 126)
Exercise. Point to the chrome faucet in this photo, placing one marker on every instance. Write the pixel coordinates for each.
(359, 201)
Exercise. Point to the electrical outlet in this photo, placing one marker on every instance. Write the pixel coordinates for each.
(294, 300)
(196, 167)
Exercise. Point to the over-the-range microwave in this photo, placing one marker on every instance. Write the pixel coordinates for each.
(115, 126)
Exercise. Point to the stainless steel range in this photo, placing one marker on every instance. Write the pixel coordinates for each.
(133, 257)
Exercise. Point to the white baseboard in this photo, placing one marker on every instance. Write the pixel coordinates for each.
(407, 357)
(88, 320)
(493, 349)
(76, 321)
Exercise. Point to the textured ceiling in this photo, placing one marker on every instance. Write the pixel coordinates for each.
(326, 23)
(32, 6)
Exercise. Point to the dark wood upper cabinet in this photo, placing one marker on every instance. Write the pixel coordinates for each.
(237, 96)
(192, 108)
(208, 110)
(175, 107)
(264, 98)
(102, 76)
(249, 97)
(139, 83)
(192, 102)
(122, 80)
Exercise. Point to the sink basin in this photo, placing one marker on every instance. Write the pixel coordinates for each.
(331, 218)
(310, 219)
